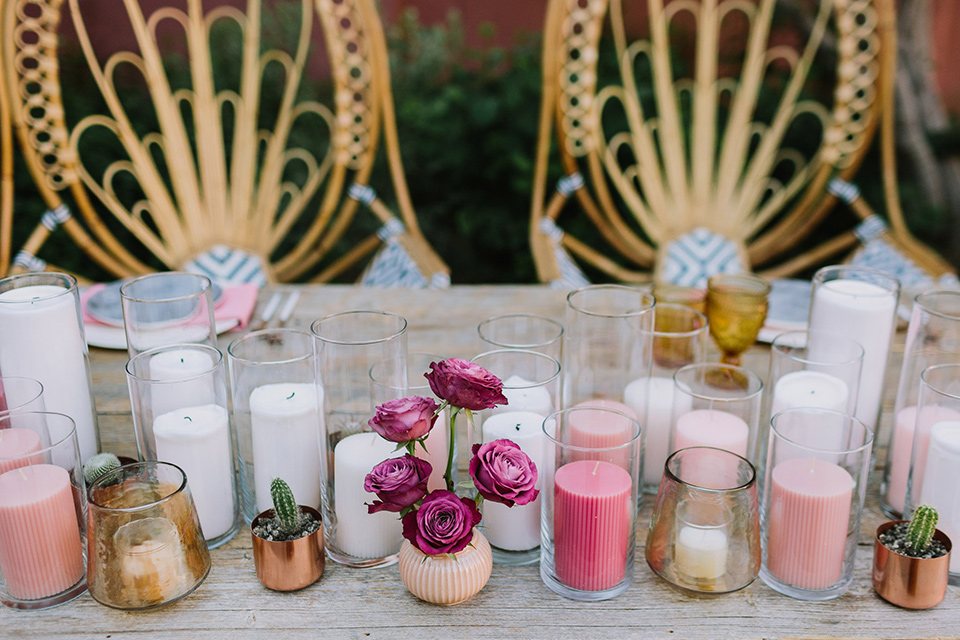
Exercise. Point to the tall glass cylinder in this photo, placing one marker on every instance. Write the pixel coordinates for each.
(933, 338)
(706, 538)
(531, 384)
(679, 339)
(935, 466)
(278, 416)
(41, 337)
(816, 478)
(858, 304)
(522, 331)
(180, 415)
(43, 511)
(589, 504)
(167, 308)
(18, 395)
(349, 344)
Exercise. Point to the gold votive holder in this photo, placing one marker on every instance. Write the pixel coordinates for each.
(145, 547)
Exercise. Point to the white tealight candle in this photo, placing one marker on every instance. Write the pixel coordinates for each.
(178, 369)
(286, 423)
(940, 487)
(701, 553)
(197, 439)
(652, 400)
(515, 528)
(361, 534)
(524, 395)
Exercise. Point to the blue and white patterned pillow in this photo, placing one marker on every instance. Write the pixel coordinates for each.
(691, 259)
(228, 266)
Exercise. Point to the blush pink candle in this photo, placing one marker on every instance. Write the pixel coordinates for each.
(14, 445)
(901, 450)
(601, 430)
(592, 524)
(711, 428)
(808, 521)
(40, 549)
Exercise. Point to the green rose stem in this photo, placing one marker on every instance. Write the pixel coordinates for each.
(448, 474)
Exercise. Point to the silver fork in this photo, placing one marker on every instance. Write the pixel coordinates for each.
(266, 315)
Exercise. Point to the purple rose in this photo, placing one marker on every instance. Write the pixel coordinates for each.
(398, 482)
(405, 419)
(503, 473)
(465, 384)
(442, 524)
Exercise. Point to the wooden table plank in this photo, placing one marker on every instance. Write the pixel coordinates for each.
(351, 603)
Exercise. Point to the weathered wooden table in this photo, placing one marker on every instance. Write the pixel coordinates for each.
(352, 603)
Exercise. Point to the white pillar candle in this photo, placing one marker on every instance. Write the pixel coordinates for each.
(515, 528)
(286, 422)
(361, 534)
(809, 389)
(41, 339)
(522, 395)
(701, 553)
(178, 369)
(862, 312)
(940, 487)
(652, 400)
(197, 439)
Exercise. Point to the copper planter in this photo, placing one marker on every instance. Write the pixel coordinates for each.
(912, 583)
(289, 565)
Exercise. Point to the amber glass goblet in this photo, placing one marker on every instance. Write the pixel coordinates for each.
(736, 309)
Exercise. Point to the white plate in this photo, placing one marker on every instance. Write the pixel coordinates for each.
(107, 337)
(105, 306)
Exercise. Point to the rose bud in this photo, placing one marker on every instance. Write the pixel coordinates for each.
(465, 384)
(405, 419)
(503, 473)
(442, 524)
(398, 482)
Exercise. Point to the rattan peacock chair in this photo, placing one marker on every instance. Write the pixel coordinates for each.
(689, 162)
(221, 179)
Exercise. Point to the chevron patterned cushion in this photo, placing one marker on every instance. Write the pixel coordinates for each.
(227, 266)
(392, 266)
(698, 254)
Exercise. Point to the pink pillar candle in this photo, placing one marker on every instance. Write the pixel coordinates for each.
(808, 522)
(901, 450)
(592, 524)
(711, 428)
(40, 548)
(600, 430)
(14, 445)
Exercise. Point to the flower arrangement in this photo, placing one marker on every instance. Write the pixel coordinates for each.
(441, 522)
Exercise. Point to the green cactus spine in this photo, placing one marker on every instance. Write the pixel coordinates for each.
(921, 528)
(98, 465)
(288, 512)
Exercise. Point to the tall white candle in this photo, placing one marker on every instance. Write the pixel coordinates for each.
(652, 400)
(701, 553)
(178, 368)
(286, 421)
(515, 528)
(361, 534)
(523, 395)
(197, 439)
(862, 312)
(940, 486)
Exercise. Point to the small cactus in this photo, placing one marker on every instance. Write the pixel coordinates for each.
(921, 528)
(97, 465)
(288, 512)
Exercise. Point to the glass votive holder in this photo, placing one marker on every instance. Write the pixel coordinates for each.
(278, 416)
(42, 511)
(145, 547)
(522, 331)
(935, 465)
(668, 293)
(679, 339)
(41, 337)
(933, 338)
(706, 539)
(589, 506)
(607, 342)
(858, 304)
(531, 383)
(19, 395)
(349, 344)
(816, 477)
(167, 308)
(179, 399)
(715, 405)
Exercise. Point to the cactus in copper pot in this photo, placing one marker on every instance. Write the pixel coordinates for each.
(921, 528)
(288, 512)
(97, 465)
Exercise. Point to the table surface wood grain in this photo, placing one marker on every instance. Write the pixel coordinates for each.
(373, 603)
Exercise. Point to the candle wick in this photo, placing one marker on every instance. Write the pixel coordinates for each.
(188, 418)
(517, 427)
(292, 393)
(22, 474)
(181, 360)
(596, 467)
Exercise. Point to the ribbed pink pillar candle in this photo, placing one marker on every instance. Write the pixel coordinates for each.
(16, 443)
(40, 549)
(591, 526)
(601, 430)
(808, 522)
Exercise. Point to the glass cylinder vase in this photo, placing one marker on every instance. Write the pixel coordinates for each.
(167, 308)
(41, 337)
(180, 415)
(933, 338)
(349, 344)
(43, 510)
(19, 395)
(522, 331)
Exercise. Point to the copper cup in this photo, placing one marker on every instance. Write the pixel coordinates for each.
(912, 583)
(292, 564)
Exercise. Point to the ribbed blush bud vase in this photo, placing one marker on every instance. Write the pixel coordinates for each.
(443, 579)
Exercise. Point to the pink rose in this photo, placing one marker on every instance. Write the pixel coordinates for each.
(465, 384)
(405, 419)
(503, 473)
(398, 482)
(442, 524)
